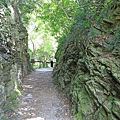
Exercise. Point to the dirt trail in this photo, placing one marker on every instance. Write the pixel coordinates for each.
(40, 100)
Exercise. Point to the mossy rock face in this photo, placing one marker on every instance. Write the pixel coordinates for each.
(4, 118)
(11, 103)
(90, 68)
(14, 59)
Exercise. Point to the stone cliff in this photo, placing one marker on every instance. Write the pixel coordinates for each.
(88, 67)
(14, 58)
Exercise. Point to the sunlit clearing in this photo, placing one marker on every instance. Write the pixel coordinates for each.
(42, 45)
(38, 118)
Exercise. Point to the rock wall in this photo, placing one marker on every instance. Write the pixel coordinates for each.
(88, 67)
(14, 58)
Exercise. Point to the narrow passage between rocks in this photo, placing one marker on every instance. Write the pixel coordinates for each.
(40, 99)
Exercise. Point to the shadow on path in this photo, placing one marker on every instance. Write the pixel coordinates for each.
(40, 100)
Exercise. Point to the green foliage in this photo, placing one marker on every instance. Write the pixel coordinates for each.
(12, 102)
(8, 106)
(4, 25)
(59, 15)
(4, 118)
(27, 7)
(56, 19)
(13, 95)
(42, 44)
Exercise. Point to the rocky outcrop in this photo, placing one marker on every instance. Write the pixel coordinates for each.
(88, 68)
(14, 59)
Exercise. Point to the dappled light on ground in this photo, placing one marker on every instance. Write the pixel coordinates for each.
(40, 100)
(28, 86)
(44, 70)
(38, 118)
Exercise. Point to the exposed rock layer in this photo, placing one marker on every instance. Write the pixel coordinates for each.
(14, 59)
(88, 68)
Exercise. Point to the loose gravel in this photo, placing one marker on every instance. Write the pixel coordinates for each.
(40, 99)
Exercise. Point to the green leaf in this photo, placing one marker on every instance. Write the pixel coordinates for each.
(110, 98)
(8, 3)
(102, 67)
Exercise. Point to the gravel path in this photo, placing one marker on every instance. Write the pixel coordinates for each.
(40, 100)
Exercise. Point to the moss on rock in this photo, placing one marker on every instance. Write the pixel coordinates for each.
(88, 69)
